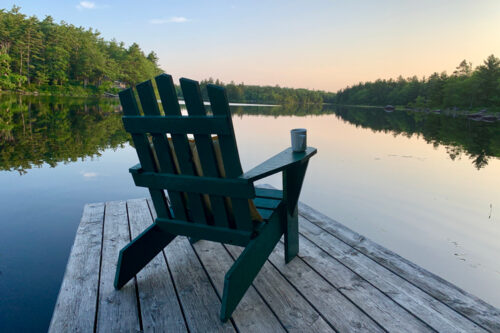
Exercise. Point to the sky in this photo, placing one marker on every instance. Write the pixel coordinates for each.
(316, 44)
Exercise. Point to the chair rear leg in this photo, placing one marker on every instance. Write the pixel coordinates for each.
(240, 276)
(141, 250)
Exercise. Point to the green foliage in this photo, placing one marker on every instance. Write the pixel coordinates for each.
(420, 102)
(465, 88)
(5, 72)
(241, 93)
(56, 58)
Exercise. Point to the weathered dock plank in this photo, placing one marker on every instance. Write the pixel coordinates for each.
(468, 305)
(117, 310)
(252, 314)
(160, 309)
(76, 305)
(340, 281)
(198, 298)
(430, 310)
(323, 295)
(368, 298)
(293, 310)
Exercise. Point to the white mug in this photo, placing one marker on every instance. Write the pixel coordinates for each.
(299, 139)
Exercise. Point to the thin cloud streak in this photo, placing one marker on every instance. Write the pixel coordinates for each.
(86, 5)
(173, 19)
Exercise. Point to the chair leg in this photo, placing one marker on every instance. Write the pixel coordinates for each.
(291, 235)
(240, 276)
(293, 179)
(141, 250)
(193, 240)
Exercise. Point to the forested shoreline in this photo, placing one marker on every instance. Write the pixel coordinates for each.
(41, 56)
(44, 57)
(466, 88)
(62, 59)
(269, 94)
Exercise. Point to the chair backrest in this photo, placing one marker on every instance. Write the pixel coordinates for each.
(186, 189)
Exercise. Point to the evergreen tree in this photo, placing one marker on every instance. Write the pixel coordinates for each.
(46, 55)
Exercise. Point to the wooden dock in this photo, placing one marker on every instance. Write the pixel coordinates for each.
(340, 281)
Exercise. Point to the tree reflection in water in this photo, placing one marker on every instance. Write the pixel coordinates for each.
(37, 130)
(479, 141)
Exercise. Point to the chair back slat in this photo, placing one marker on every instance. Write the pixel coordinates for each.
(160, 142)
(180, 142)
(232, 165)
(194, 104)
(141, 142)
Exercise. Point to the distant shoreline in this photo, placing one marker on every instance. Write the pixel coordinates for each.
(447, 111)
(487, 112)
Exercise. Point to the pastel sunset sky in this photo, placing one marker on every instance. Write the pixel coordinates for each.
(320, 44)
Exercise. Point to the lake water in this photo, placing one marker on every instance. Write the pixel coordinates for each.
(423, 185)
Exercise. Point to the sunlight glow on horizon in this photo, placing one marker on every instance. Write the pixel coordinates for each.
(320, 45)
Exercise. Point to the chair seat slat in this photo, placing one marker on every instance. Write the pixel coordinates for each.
(267, 203)
(265, 213)
(261, 192)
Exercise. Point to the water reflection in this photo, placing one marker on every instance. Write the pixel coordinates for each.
(478, 141)
(37, 130)
(399, 192)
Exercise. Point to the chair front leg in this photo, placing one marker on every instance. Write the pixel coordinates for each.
(293, 178)
(291, 235)
(193, 240)
(240, 276)
(141, 250)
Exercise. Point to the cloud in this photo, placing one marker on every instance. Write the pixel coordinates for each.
(89, 174)
(86, 5)
(173, 19)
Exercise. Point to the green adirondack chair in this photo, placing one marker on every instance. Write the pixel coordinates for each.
(186, 211)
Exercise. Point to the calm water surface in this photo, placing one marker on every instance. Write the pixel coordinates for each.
(426, 186)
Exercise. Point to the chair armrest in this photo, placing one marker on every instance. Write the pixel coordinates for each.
(277, 163)
(136, 169)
